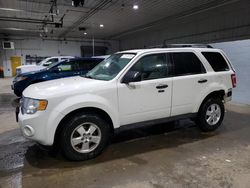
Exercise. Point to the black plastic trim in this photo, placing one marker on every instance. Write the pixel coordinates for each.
(155, 121)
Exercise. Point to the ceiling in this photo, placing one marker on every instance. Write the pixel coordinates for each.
(117, 16)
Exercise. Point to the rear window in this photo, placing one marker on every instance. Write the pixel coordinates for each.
(216, 60)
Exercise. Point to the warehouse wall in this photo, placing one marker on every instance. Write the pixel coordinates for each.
(41, 47)
(225, 23)
(239, 54)
(218, 25)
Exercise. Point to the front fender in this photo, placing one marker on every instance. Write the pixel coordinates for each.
(73, 103)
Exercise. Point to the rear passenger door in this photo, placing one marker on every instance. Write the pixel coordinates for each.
(189, 81)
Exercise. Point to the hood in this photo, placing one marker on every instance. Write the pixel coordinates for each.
(61, 87)
(29, 68)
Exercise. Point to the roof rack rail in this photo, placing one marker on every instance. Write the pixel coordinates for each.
(187, 46)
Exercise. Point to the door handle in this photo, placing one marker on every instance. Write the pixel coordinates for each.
(202, 81)
(161, 86)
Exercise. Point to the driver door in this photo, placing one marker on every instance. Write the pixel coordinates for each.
(151, 97)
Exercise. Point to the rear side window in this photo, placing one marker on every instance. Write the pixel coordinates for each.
(187, 63)
(88, 64)
(216, 60)
(69, 66)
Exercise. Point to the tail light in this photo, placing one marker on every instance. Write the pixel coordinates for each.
(233, 78)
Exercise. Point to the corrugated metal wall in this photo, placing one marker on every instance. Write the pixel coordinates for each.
(239, 54)
(224, 23)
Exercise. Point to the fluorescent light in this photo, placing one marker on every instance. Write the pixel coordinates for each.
(101, 25)
(11, 9)
(135, 7)
(18, 29)
(13, 29)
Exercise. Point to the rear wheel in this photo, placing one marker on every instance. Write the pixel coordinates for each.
(84, 137)
(211, 115)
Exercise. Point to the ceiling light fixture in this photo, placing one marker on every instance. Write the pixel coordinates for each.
(13, 29)
(11, 9)
(135, 7)
(101, 26)
(85, 33)
(77, 3)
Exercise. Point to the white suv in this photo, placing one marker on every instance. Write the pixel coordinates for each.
(133, 87)
(42, 65)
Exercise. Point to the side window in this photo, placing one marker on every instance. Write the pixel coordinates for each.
(69, 66)
(216, 60)
(187, 63)
(54, 60)
(51, 61)
(154, 66)
(87, 65)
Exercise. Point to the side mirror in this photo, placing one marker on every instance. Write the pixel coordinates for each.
(131, 76)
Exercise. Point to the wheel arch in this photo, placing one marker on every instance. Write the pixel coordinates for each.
(94, 110)
(215, 94)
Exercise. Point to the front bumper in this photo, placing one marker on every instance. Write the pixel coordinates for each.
(39, 126)
(228, 96)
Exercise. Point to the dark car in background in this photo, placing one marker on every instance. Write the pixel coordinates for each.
(67, 68)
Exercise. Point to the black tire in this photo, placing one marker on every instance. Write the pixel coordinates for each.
(201, 120)
(68, 128)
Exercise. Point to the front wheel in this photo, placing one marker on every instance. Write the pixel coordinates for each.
(84, 137)
(211, 115)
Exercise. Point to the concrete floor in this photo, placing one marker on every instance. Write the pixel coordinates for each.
(151, 157)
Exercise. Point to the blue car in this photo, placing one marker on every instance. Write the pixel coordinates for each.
(67, 68)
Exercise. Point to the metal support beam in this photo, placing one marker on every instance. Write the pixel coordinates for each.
(85, 17)
(28, 20)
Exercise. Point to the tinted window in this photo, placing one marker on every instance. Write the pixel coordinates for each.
(216, 60)
(88, 64)
(153, 67)
(186, 63)
(69, 66)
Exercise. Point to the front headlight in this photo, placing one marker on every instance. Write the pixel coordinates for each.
(20, 78)
(31, 106)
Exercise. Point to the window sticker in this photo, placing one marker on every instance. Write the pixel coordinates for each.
(127, 56)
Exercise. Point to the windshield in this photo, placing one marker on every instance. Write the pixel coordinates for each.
(42, 62)
(110, 67)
